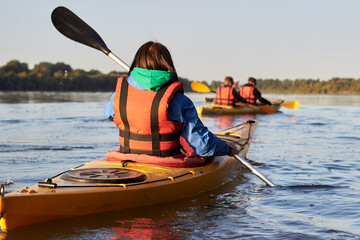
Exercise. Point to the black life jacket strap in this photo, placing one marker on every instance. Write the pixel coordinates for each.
(148, 137)
(154, 121)
(123, 115)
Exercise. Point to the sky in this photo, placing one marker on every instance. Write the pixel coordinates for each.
(208, 40)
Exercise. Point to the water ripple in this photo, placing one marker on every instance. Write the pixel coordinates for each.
(25, 148)
(349, 138)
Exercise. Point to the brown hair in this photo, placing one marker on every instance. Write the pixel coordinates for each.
(153, 56)
(229, 80)
(252, 80)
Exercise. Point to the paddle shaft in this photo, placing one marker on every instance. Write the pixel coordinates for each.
(254, 170)
(119, 61)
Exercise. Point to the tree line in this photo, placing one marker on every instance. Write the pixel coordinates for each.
(303, 86)
(309, 86)
(45, 76)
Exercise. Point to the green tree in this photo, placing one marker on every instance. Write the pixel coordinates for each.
(14, 66)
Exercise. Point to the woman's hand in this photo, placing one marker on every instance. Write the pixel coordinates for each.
(234, 148)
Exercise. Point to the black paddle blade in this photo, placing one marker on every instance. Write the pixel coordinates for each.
(67, 23)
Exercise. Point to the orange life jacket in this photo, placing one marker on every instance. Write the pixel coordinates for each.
(225, 96)
(143, 122)
(247, 92)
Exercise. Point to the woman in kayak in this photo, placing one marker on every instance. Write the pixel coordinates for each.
(153, 114)
(226, 95)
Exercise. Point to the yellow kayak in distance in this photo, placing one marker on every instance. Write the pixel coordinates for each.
(103, 186)
(240, 108)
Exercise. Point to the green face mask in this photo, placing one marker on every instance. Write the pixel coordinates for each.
(151, 79)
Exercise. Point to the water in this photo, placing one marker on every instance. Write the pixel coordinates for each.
(311, 153)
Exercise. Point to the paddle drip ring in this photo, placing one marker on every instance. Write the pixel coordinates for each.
(103, 175)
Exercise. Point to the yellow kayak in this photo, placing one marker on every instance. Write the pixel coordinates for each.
(240, 108)
(101, 186)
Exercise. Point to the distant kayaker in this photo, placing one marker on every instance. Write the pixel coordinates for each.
(226, 95)
(152, 113)
(251, 93)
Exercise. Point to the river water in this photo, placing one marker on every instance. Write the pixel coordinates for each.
(311, 153)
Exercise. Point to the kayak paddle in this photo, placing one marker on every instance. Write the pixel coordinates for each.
(200, 87)
(291, 104)
(266, 108)
(254, 170)
(246, 163)
(70, 25)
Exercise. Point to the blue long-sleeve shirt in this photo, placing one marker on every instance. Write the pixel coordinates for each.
(181, 109)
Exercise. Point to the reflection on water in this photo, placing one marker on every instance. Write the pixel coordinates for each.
(143, 228)
(225, 122)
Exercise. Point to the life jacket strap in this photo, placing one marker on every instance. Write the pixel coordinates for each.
(154, 121)
(123, 114)
(164, 153)
(148, 137)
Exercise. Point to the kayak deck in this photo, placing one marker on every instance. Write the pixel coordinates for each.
(61, 197)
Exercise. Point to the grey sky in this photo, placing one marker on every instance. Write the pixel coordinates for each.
(208, 39)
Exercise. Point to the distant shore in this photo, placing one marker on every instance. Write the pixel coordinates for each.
(60, 77)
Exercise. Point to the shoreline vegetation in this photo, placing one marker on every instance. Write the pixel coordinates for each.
(45, 76)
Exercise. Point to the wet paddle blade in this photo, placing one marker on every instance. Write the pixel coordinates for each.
(291, 104)
(254, 170)
(70, 25)
(267, 109)
(199, 87)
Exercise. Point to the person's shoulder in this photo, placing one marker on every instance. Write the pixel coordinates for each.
(181, 97)
(182, 100)
(132, 82)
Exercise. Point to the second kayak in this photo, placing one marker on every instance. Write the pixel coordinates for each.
(239, 109)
